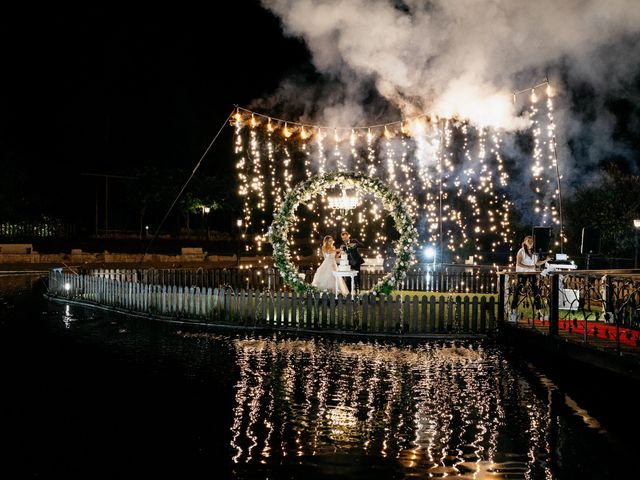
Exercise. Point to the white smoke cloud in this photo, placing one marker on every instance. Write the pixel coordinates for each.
(462, 57)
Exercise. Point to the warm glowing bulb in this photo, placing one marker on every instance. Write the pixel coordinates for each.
(269, 126)
(253, 121)
(534, 97)
(303, 133)
(286, 132)
(549, 90)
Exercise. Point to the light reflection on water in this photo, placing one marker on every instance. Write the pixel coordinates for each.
(328, 408)
(439, 409)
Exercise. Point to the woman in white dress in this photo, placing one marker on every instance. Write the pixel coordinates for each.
(324, 278)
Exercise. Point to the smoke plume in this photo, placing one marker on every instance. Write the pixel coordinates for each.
(465, 58)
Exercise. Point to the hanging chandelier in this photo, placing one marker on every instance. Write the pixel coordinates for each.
(344, 201)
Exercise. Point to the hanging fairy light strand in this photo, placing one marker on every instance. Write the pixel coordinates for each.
(461, 205)
(548, 202)
(553, 164)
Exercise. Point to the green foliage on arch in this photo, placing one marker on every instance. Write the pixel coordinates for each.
(314, 186)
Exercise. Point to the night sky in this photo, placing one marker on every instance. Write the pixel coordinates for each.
(94, 90)
(100, 91)
(91, 90)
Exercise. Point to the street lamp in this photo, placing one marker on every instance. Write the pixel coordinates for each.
(205, 214)
(636, 224)
(430, 254)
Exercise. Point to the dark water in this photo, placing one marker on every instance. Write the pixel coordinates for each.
(89, 395)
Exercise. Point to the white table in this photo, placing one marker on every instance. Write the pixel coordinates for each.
(342, 274)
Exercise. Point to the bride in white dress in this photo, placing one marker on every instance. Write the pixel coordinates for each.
(324, 278)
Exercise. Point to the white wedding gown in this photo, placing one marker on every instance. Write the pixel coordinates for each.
(324, 278)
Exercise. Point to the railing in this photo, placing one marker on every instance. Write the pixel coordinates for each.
(402, 314)
(603, 307)
(36, 230)
(479, 281)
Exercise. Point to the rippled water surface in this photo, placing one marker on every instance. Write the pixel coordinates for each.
(91, 395)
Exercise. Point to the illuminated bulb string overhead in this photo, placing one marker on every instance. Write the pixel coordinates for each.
(454, 177)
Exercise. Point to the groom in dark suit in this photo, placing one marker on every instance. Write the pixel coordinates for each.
(351, 245)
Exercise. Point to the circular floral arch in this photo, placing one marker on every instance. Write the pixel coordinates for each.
(305, 191)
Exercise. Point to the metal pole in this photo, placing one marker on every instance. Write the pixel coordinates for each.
(585, 332)
(440, 190)
(635, 257)
(554, 312)
(501, 295)
(559, 197)
(106, 196)
(106, 204)
(238, 243)
(202, 227)
(96, 212)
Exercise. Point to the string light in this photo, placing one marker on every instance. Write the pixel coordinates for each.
(457, 205)
(303, 133)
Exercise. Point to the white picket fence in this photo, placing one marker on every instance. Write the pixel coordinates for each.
(451, 314)
(477, 281)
